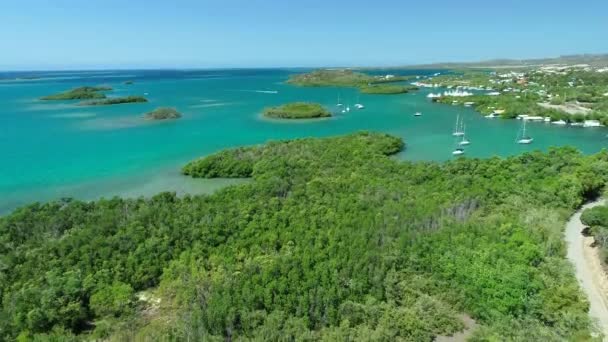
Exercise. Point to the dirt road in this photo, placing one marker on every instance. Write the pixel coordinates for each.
(589, 272)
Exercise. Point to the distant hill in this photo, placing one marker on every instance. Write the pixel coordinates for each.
(596, 60)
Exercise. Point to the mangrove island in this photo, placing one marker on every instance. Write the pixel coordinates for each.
(163, 113)
(115, 100)
(81, 93)
(297, 110)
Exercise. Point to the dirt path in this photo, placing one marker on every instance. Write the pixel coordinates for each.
(589, 272)
(469, 327)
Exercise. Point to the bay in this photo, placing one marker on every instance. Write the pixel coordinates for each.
(58, 149)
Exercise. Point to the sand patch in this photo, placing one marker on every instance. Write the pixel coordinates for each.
(570, 108)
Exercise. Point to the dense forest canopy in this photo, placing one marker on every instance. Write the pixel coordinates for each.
(332, 240)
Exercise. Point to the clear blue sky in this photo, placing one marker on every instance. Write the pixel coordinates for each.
(60, 34)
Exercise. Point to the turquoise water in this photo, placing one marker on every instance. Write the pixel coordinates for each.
(57, 149)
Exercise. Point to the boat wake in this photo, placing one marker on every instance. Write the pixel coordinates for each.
(259, 91)
(74, 115)
(211, 104)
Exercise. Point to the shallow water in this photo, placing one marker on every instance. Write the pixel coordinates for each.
(58, 149)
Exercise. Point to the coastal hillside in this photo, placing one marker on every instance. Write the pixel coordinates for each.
(331, 240)
(596, 60)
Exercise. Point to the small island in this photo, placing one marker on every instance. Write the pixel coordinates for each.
(297, 110)
(128, 82)
(387, 89)
(81, 93)
(115, 101)
(163, 113)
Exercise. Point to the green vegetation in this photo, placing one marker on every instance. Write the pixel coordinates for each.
(597, 220)
(163, 113)
(387, 89)
(115, 100)
(347, 78)
(234, 163)
(297, 110)
(332, 240)
(82, 93)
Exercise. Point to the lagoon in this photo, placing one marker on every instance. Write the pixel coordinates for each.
(60, 149)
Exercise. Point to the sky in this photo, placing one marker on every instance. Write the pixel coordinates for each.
(96, 34)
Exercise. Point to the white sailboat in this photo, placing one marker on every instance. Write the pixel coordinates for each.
(524, 139)
(458, 151)
(339, 104)
(457, 131)
(358, 105)
(464, 140)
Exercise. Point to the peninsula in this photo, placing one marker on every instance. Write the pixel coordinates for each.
(387, 89)
(297, 110)
(311, 227)
(349, 78)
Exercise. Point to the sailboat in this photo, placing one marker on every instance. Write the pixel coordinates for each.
(417, 114)
(358, 105)
(339, 104)
(464, 140)
(458, 151)
(524, 139)
(457, 131)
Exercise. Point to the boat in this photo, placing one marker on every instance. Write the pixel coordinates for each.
(358, 105)
(524, 139)
(417, 114)
(464, 140)
(458, 151)
(559, 122)
(457, 132)
(339, 104)
(592, 123)
(347, 109)
(457, 93)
